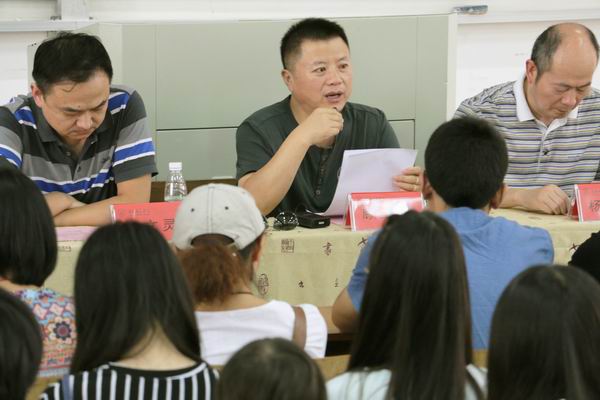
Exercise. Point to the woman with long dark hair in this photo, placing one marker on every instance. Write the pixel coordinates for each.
(545, 337)
(136, 327)
(413, 339)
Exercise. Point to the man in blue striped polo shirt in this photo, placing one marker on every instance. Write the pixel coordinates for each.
(550, 120)
(84, 142)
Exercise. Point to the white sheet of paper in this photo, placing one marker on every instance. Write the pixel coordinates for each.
(369, 170)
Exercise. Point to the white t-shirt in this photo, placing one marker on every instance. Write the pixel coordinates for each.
(222, 333)
(374, 385)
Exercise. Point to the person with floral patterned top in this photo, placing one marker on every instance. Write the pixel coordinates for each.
(28, 254)
(56, 316)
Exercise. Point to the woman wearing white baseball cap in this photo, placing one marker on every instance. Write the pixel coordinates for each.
(220, 233)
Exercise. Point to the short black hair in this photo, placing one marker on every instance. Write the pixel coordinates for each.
(28, 247)
(308, 29)
(128, 283)
(271, 369)
(548, 42)
(544, 336)
(465, 161)
(20, 347)
(71, 57)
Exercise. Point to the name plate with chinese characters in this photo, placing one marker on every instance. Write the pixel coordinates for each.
(587, 202)
(160, 215)
(368, 211)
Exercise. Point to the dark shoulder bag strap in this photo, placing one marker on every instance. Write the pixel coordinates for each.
(299, 335)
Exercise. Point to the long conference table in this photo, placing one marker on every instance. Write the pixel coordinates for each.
(314, 265)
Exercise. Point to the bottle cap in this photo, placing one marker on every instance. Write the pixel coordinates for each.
(175, 166)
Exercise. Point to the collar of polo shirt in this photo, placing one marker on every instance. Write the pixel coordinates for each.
(523, 111)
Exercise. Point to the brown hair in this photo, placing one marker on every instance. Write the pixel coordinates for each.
(213, 270)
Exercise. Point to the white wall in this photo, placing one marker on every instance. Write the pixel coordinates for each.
(486, 53)
(261, 9)
(11, 10)
(13, 62)
(264, 9)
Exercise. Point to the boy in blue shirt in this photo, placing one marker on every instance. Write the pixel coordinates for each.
(465, 163)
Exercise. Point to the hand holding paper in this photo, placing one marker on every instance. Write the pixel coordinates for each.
(411, 179)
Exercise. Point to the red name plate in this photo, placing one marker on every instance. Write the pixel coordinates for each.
(573, 212)
(368, 211)
(160, 215)
(587, 202)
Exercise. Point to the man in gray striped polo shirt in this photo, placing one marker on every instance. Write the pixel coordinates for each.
(84, 142)
(550, 120)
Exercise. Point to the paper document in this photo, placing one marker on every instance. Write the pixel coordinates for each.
(74, 233)
(369, 170)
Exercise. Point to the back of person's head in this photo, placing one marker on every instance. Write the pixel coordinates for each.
(20, 347)
(415, 316)
(128, 286)
(219, 228)
(271, 369)
(545, 337)
(548, 42)
(214, 272)
(465, 162)
(587, 256)
(27, 236)
(218, 213)
(307, 29)
(72, 57)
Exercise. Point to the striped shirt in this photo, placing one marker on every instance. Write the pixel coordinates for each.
(120, 149)
(565, 153)
(111, 382)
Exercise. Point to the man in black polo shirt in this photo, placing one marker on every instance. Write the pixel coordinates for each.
(85, 143)
(289, 154)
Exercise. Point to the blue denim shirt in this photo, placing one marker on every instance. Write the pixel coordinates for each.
(496, 250)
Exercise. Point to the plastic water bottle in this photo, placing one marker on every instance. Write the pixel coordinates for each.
(175, 188)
